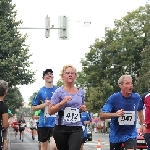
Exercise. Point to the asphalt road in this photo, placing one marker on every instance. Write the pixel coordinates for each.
(29, 144)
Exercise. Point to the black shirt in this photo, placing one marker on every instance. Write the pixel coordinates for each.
(3, 110)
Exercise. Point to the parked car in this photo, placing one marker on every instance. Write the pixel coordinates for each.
(89, 134)
(141, 145)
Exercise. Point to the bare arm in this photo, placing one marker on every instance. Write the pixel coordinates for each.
(141, 117)
(55, 108)
(39, 107)
(107, 115)
(5, 120)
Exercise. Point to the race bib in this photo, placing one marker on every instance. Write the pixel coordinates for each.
(22, 125)
(71, 115)
(127, 119)
(46, 112)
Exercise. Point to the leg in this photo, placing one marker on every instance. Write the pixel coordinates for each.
(61, 138)
(75, 139)
(44, 134)
(130, 144)
(52, 141)
(147, 140)
(115, 146)
(22, 135)
(44, 145)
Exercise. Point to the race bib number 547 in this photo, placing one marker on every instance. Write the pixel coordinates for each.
(127, 119)
(71, 114)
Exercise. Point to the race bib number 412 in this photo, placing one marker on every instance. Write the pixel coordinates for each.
(127, 119)
(71, 115)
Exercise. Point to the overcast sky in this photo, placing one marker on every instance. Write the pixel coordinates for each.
(54, 53)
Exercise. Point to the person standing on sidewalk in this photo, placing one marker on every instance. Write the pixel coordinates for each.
(41, 102)
(146, 103)
(3, 110)
(123, 108)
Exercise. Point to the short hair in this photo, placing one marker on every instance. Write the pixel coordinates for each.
(67, 66)
(120, 81)
(3, 87)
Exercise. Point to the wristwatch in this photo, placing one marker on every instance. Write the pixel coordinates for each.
(144, 125)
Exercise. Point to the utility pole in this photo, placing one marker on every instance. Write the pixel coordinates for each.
(62, 29)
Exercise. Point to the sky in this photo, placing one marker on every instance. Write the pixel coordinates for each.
(54, 53)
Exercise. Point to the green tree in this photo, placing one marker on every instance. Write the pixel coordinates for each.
(122, 46)
(14, 53)
(31, 97)
(59, 83)
(14, 99)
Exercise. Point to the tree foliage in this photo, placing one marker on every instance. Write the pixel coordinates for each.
(14, 99)
(123, 46)
(14, 53)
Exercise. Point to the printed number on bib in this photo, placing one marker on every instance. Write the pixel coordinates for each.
(71, 114)
(127, 119)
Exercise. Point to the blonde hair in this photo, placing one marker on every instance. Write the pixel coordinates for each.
(121, 79)
(65, 67)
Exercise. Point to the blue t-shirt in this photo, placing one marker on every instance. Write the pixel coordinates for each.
(121, 133)
(40, 98)
(85, 117)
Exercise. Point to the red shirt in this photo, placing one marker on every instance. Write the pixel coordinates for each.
(146, 102)
(15, 125)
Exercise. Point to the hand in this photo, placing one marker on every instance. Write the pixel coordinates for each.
(47, 102)
(120, 113)
(82, 108)
(142, 129)
(67, 98)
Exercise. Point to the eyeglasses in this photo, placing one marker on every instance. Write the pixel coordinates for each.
(72, 73)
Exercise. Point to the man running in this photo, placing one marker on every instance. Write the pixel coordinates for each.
(22, 124)
(33, 127)
(42, 102)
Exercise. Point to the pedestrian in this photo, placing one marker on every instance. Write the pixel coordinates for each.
(41, 102)
(33, 125)
(86, 120)
(22, 124)
(123, 108)
(3, 110)
(68, 101)
(146, 103)
(37, 116)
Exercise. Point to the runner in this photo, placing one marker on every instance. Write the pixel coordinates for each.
(123, 108)
(33, 126)
(37, 116)
(15, 126)
(86, 119)
(41, 102)
(22, 124)
(68, 101)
